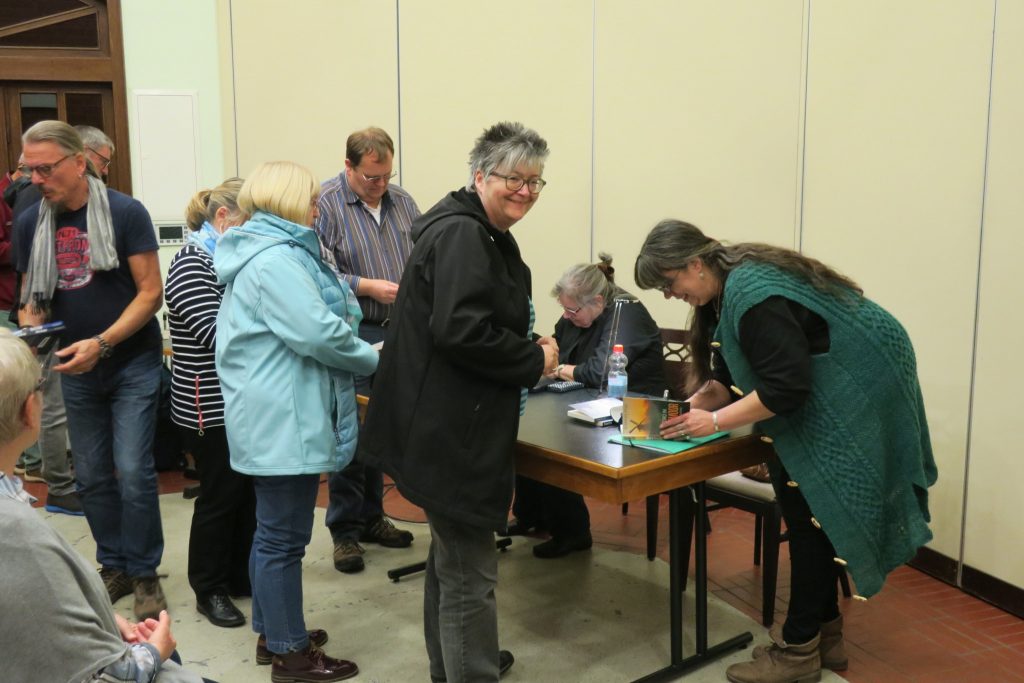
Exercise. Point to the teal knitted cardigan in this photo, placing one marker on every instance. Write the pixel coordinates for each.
(858, 448)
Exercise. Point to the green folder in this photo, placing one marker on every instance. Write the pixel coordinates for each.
(665, 445)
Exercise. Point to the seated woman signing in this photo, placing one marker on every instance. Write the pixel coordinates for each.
(587, 293)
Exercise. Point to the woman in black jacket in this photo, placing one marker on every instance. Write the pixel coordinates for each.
(449, 389)
(587, 295)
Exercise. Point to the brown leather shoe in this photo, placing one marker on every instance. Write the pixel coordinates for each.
(149, 597)
(310, 666)
(780, 662)
(382, 531)
(317, 636)
(831, 649)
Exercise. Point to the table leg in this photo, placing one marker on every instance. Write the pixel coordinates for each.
(678, 517)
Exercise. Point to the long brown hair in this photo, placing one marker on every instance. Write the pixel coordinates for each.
(674, 244)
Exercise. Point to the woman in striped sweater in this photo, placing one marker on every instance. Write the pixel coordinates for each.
(224, 519)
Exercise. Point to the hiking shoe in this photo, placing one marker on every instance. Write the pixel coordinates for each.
(382, 531)
(67, 504)
(116, 582)
(149, 597)
(317, 636)
(348, 557)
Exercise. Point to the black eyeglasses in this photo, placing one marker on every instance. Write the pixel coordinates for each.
(514, 183)
(44, 170)
(104, 161)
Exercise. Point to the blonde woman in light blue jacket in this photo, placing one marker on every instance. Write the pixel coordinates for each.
(287, 350)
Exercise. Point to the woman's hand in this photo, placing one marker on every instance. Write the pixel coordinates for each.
(691, 423)
(158, 634)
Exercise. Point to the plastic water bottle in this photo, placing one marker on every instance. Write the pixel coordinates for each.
(618, 383)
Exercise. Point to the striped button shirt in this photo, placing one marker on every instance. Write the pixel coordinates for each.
(193, 298)
(360, 246)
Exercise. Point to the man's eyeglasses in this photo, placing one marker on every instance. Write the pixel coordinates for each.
(378, 178)
(104, 161)
(44, 170)
(514, 183)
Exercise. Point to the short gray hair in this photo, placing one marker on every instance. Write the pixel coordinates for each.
(584, 282)
(19, 374)
(505, 145)
(94, 137)
(57, 132)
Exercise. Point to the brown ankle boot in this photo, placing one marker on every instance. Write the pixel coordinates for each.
(832, 648)
(781, 662)
(310, 666)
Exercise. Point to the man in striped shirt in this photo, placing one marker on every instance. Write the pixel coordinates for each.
(364, 224)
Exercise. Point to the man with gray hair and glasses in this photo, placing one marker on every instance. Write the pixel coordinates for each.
(99, 149)
(88, 256)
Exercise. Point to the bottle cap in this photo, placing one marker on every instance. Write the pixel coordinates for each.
(617, 348)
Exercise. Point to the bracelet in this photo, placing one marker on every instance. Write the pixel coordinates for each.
(558, 371)
(714, 418)
(105, 349)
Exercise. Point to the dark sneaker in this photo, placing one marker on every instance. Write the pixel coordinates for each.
(382, 531)
(310, 666)
(505, 662)
(560, 547)
(149, 597)
(116, 582)
(348, 557)
(317, 636)
(67, 504)
(218, 608)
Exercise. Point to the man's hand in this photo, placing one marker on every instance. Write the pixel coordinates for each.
(81, 356)
(158, 634)
(383, 291)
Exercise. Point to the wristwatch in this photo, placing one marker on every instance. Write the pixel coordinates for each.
(106, 350)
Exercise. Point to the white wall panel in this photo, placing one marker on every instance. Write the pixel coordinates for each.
(697, 118)
(897, 100)
(994, 536)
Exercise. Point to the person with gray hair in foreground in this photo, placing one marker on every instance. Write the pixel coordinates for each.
(56, 620)
(451, 387)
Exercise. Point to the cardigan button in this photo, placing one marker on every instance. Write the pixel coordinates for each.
(736, 390)
(792, 484)
(840, 561)
(716, 345)
(816, 523)
(767, 439)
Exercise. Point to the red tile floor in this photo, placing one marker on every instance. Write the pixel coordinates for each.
(917, 630)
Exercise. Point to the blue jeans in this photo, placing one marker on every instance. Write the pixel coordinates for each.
(284, 525)
(111, 413)
(356, 493)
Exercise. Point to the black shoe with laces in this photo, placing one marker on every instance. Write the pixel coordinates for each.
(218, 608)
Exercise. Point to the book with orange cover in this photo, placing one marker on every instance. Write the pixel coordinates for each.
(642, 416)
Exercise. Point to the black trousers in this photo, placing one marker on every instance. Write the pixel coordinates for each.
(223, 520)
(814, 595)
(561, 512)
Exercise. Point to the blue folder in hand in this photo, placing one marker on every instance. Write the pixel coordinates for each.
(665, 445)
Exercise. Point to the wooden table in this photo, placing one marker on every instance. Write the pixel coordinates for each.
(557, 450)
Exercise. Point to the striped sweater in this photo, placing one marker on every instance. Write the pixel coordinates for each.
(193, 299)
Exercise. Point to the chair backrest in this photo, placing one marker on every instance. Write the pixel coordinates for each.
(676, 357)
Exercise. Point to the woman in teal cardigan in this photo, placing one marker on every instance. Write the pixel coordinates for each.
(829, 377)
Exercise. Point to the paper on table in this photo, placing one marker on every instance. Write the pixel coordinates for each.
(594, 410)
(665, 445)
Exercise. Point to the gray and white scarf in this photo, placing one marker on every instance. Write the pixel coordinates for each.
(41, 279)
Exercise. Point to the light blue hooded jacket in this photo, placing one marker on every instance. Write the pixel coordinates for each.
(286, 351)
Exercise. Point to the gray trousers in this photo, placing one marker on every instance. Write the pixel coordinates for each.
(460, 613)
(50, 454)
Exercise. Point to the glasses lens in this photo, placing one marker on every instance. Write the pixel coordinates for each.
(536, 185)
